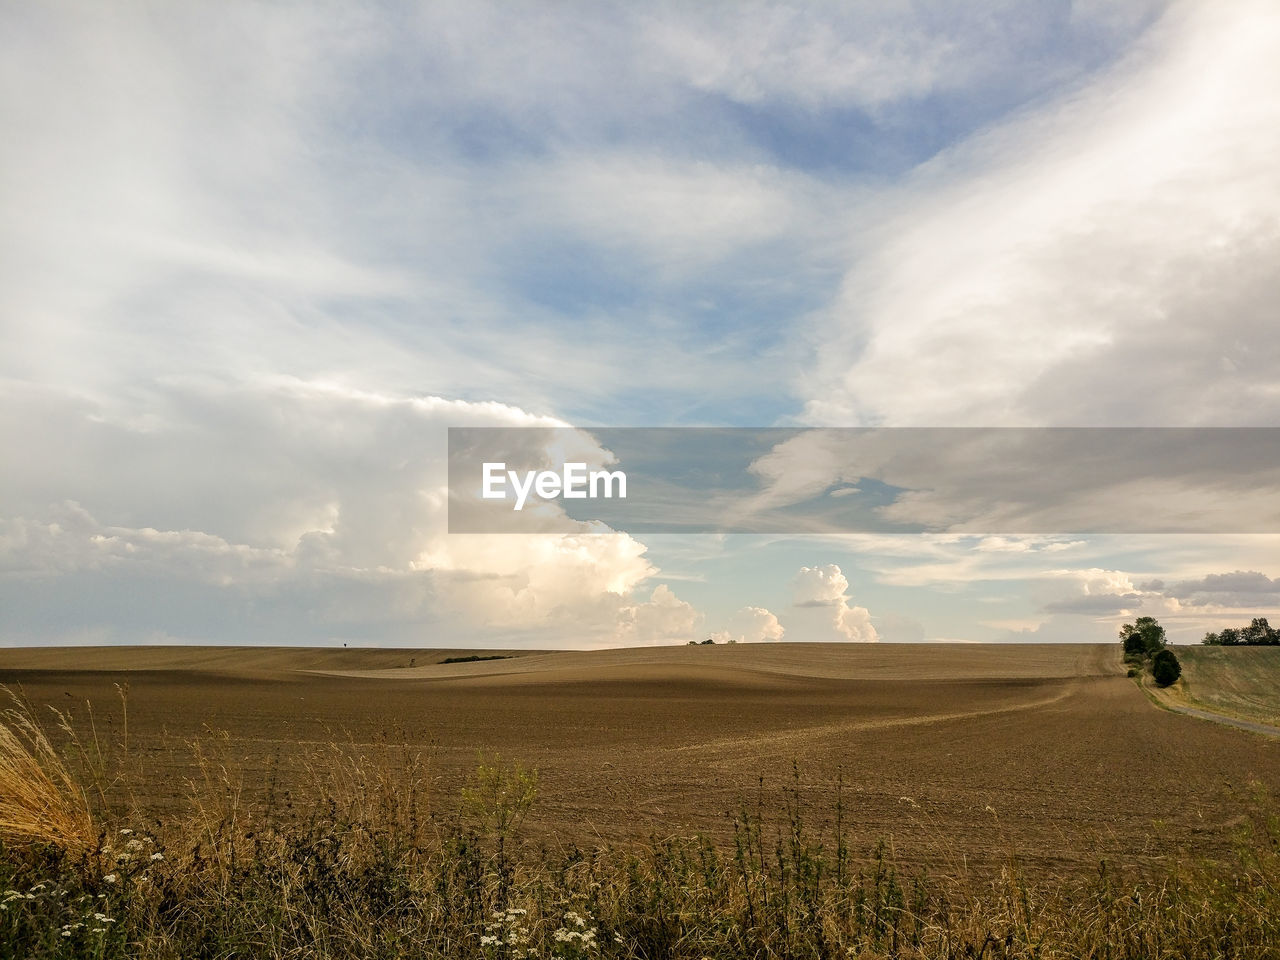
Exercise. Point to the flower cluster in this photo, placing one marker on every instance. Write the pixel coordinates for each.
(12, 896)
(82, 914)
(98, 920)
(129, 858)
(135, 849)
(508, 935)
(574, 938)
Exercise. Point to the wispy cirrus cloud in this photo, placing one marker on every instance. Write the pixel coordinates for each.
(1102, 259)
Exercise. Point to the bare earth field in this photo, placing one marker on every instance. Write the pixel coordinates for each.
(958, 755)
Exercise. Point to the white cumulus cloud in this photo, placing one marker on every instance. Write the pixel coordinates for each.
(822, 607)
(751, 625)
(312, 509)
(663, 618)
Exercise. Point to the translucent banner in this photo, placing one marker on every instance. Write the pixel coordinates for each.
(891, 480)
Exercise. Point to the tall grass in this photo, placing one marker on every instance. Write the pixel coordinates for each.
(40, 801)
(363, 867)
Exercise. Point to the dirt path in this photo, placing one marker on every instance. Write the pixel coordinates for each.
(1252, 726)
(1162, 698)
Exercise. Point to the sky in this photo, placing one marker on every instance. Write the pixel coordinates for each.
(257, 258)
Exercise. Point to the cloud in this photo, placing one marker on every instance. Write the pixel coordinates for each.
(952, 561)
(1239, 581)
(1106, 257)
(821, 604)
(1057, 629)
(1093, 592)
(1237, 589)
(1093, 604)
(386, 195)
(70, 540)
(751, 625)
(370, 196)
(291, 498)
(681, 216)
(865, 55)
(895, 628)
(254, 259)
(1028, 480)
(663, 618)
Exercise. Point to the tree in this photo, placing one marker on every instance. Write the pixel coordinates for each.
(1134, 646)
(1142, 638)
(1165, 667)
(1258, 632)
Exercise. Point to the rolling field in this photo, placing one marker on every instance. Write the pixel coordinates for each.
(957, 755)
(1241, 682)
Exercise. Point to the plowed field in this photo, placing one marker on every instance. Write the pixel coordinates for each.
(959, 756)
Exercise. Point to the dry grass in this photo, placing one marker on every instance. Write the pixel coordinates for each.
(354, 866)
(1241, 682)
(40, 801)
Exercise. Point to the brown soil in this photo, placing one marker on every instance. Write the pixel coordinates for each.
(959, 756)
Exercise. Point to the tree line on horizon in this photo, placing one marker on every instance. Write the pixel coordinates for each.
(1258, 633)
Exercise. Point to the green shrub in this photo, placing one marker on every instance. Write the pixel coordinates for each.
(1165, 668)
